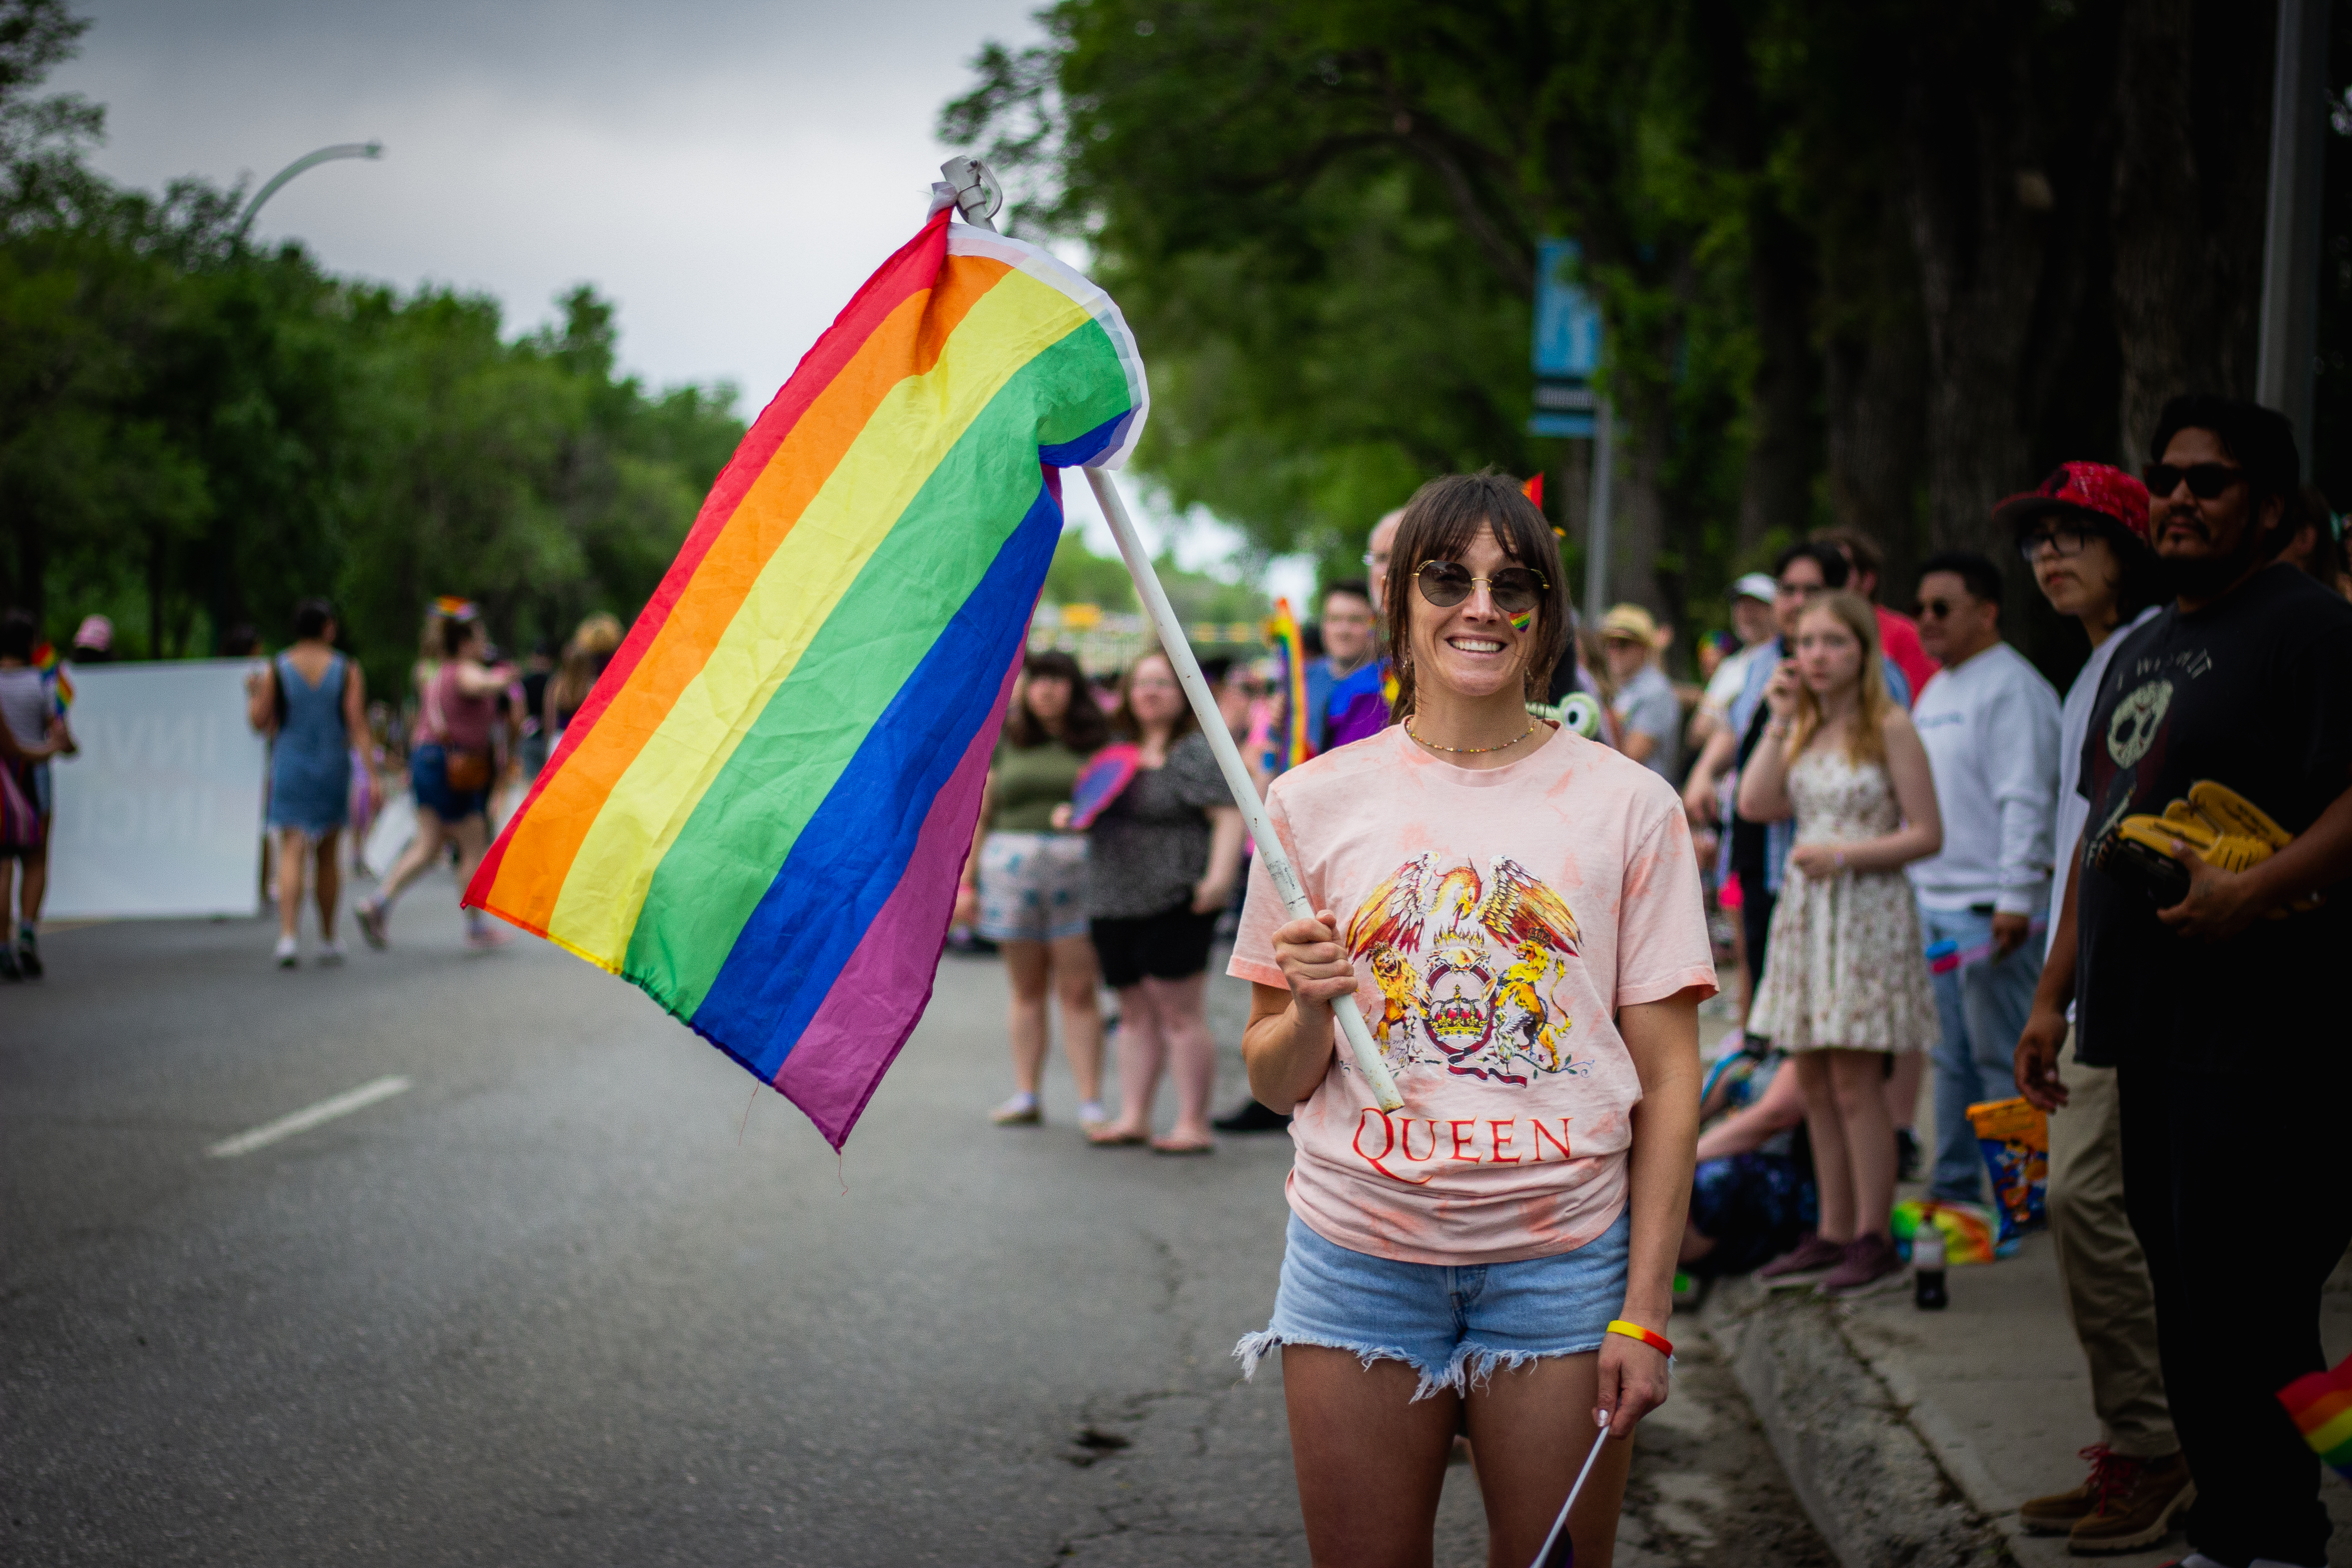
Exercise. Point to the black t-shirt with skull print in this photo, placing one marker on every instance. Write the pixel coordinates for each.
(2254, 692)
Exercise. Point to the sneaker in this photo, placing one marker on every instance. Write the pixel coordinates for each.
(1871, 1264)
(29, 954)
(2125, 1503)
(1252, 1116)
(8, 970)
(370, 913)
(1020, 1111)
(288, 954)
(333, 953)
(1802, 1264)
(1091, 1115)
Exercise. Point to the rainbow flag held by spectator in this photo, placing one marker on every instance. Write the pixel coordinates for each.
(761, 813)
(54, 677)
(2320, 1405)
(1289, 646)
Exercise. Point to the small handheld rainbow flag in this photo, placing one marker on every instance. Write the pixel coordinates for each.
(1283, 635)
(2320, 1405)
(760, 815)
(54, 676)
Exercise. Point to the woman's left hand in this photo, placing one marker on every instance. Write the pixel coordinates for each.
(1819, 862)
(1633, 1383)
(1209, 895)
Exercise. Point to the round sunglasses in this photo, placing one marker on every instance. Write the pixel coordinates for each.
(1446, 584)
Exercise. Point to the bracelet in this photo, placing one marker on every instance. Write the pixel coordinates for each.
(1658, 1342)
(1779, 729)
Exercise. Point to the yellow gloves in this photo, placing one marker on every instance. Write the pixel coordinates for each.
(2224, 828)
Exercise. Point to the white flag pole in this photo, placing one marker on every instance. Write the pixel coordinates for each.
(1270, 852)
(973, 188)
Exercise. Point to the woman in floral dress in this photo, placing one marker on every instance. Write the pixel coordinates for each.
(1847, 984)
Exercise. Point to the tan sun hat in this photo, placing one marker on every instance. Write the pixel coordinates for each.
(1631, 622)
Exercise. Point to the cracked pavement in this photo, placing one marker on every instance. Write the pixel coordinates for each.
(567, 1300)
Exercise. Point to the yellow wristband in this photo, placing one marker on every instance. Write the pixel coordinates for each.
(1658, 1342)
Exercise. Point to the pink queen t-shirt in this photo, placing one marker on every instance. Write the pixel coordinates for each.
(1497, 918)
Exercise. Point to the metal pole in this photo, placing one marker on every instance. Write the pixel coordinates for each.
(1596, 547)
(369, 150)
(2290, 318)
(1270, 852)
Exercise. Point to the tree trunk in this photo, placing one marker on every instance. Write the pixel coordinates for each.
(1979, 207)
(2193, 113)
(1875, 389)
(1776, 487)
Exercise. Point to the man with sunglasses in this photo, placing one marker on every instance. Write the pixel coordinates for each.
(1990, 722)
(2216, 1006)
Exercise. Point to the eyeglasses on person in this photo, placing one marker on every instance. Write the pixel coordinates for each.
(1446, 584)
(2065, 538)
(2206, 482)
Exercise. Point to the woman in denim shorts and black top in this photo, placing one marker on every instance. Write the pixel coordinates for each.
(1165, 854)
(1025, 883)
(1516, 910)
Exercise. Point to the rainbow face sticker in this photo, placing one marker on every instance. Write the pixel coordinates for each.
(1521, 620)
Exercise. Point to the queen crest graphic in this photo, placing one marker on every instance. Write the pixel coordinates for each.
(1469, 969)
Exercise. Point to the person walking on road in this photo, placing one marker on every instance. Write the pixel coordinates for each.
(1847, 988)
(1991, 725)
(32, 732)
(1161, 863)
(452, 762)
(311, 702)
(592, 647)
(2233, 703)
(2084, 533)
(1024, 884)
(1516, 910)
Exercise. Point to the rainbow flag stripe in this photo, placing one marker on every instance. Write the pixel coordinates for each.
(760, 815)
(2320, 1404)
(1290, 646)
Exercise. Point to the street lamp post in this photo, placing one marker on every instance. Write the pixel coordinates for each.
(369, 150)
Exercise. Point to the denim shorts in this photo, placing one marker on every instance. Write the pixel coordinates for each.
(428, 778)
(1455, 1325)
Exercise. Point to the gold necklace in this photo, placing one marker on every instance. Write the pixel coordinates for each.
(1469, 751)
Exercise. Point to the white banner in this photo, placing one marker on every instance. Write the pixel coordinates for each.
(160, 813)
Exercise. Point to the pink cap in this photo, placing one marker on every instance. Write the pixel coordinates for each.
(95, 632)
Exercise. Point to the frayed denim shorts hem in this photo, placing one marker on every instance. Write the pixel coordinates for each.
(1455, 1325)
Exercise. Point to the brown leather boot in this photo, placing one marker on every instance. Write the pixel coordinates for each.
(2124, 1503)
(2137, 1509)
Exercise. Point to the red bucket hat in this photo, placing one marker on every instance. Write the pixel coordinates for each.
(2095, 487)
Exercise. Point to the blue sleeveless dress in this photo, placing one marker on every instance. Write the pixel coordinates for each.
(311, 764)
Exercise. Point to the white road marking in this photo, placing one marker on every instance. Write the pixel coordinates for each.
(303, 1120)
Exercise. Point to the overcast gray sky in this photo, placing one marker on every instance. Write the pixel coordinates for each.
(726, 172)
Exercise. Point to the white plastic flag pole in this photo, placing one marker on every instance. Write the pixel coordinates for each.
(1270, 852)
(1549, 1555)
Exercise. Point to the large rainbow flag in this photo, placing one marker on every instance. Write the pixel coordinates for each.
(761, 814)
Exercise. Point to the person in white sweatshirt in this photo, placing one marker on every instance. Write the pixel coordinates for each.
(1990, 722)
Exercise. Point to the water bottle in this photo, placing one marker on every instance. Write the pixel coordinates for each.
(1927, 1268)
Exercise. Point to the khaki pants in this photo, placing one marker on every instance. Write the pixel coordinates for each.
(2100, 1266)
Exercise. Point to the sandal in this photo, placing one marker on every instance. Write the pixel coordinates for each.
(1111, 1137)
(1169, 1146)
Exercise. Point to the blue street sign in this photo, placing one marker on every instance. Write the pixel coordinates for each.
(1566, 347)
(1568, 323)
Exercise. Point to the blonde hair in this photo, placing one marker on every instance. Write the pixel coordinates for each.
(1865, 738)
(584, 658)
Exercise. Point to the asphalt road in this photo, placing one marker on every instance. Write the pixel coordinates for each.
(579, 1294)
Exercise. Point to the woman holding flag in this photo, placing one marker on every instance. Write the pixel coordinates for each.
(1517, 912)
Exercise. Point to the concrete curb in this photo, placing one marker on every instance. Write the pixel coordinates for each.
(1870, 1478)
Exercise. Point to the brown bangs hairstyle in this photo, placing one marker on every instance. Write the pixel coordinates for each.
(1865, 738)
(1440, 521)
(1122, 718)
(1083, 729)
